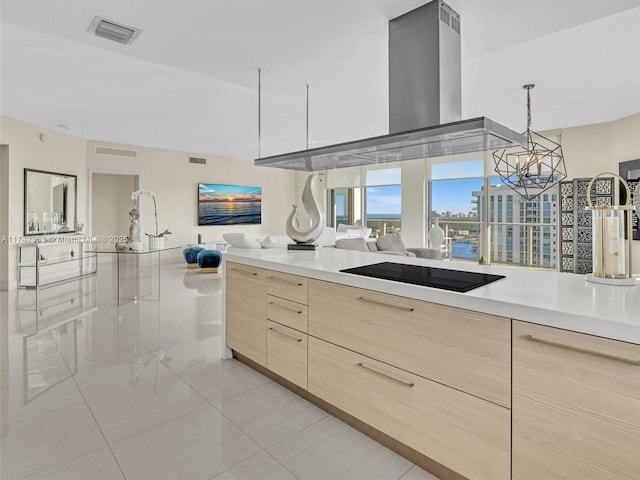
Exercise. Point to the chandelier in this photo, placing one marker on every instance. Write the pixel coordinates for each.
(535, 169)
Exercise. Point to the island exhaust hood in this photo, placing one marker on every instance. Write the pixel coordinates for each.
(424, 89)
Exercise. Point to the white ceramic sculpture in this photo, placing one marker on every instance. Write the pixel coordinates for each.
(436, 235)
(312, 207)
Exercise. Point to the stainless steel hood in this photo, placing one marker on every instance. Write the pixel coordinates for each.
(424, 89)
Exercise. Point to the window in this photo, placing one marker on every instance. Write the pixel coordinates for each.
(383, 209)
(531, 240)
(481, 217)
(376, 204)
(455, 201)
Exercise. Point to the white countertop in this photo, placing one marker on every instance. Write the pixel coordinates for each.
(562, 300)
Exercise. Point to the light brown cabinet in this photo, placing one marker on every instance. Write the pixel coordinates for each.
(246, 307)
(465, 433)
(287, 326)
(576, 406)
(287, 353)
(484, 396)
(466, 350)
(291, 314)
(290, 287)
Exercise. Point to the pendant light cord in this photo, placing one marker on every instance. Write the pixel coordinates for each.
(259, 109)
(307, 116)
(528, 87)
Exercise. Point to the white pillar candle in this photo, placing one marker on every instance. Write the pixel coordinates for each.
(598, 247)
(612, 246)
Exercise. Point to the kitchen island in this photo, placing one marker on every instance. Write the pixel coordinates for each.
(536, 375)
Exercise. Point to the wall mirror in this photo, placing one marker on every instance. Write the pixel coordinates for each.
(49, 202)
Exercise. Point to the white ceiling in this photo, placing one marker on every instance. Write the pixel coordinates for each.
(190, 80)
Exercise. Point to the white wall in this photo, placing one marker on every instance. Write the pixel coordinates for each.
(4, 217)
(175, 181)
(166, 172)
(593, 149)
(110, 203)
(57, 153)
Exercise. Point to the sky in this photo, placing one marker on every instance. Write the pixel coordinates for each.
(447, 195)
(452, 186)
(382, 200)
(454, 195)
(211, 191)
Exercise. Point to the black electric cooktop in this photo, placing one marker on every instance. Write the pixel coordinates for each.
(455, 280)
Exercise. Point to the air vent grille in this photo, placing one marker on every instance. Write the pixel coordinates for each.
(455, 24)
(116, 152)
(200, 161)
(450, 17)
(113, 31)
(444, 16)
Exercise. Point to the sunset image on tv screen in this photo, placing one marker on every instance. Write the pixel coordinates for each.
(229, 204)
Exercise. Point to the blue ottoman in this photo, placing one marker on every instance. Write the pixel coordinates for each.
(191, 256)
(209, 261)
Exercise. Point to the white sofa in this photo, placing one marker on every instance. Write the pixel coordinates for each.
(390, 245)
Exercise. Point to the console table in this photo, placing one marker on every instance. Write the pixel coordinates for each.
(137, 272)
(43, 263)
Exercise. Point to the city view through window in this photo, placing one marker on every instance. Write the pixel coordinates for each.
(507, 229)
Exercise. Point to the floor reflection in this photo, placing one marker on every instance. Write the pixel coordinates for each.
(72, 346)
(92, 390)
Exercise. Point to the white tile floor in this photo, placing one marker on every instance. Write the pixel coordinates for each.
(139, 391)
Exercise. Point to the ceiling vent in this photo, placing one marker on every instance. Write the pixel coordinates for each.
(113, 31)
(116, 152)
(200, 161)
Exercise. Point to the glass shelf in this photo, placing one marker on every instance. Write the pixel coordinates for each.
(55, 261)
(62, 267)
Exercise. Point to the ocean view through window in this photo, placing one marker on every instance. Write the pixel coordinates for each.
(482, 219)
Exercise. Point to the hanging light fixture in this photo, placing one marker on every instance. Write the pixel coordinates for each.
(537, 168)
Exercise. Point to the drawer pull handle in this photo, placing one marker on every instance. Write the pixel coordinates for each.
(378, 302)
(244, 272)
(290, 282)
(582, 350)
(403, 382)
(285, 334)
(299, 312)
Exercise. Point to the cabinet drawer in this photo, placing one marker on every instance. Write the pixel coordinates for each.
(288, 313)
(576, 405)
(290, 287)
(466, 350)
(287, 353)
(467, 434)
(246, 312)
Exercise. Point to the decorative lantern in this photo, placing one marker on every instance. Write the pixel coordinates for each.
(612, 255)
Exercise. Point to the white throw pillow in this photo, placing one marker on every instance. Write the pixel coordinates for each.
(327, 237)
(354, 231)
(240, 240)
(276, 241)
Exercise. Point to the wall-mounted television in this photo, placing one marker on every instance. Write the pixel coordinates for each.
(229, 204)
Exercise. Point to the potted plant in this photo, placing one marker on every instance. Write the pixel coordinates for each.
(156, 240)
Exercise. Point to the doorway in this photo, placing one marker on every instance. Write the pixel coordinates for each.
(110, 203)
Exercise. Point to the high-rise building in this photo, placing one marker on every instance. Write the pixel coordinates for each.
(523, 231)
